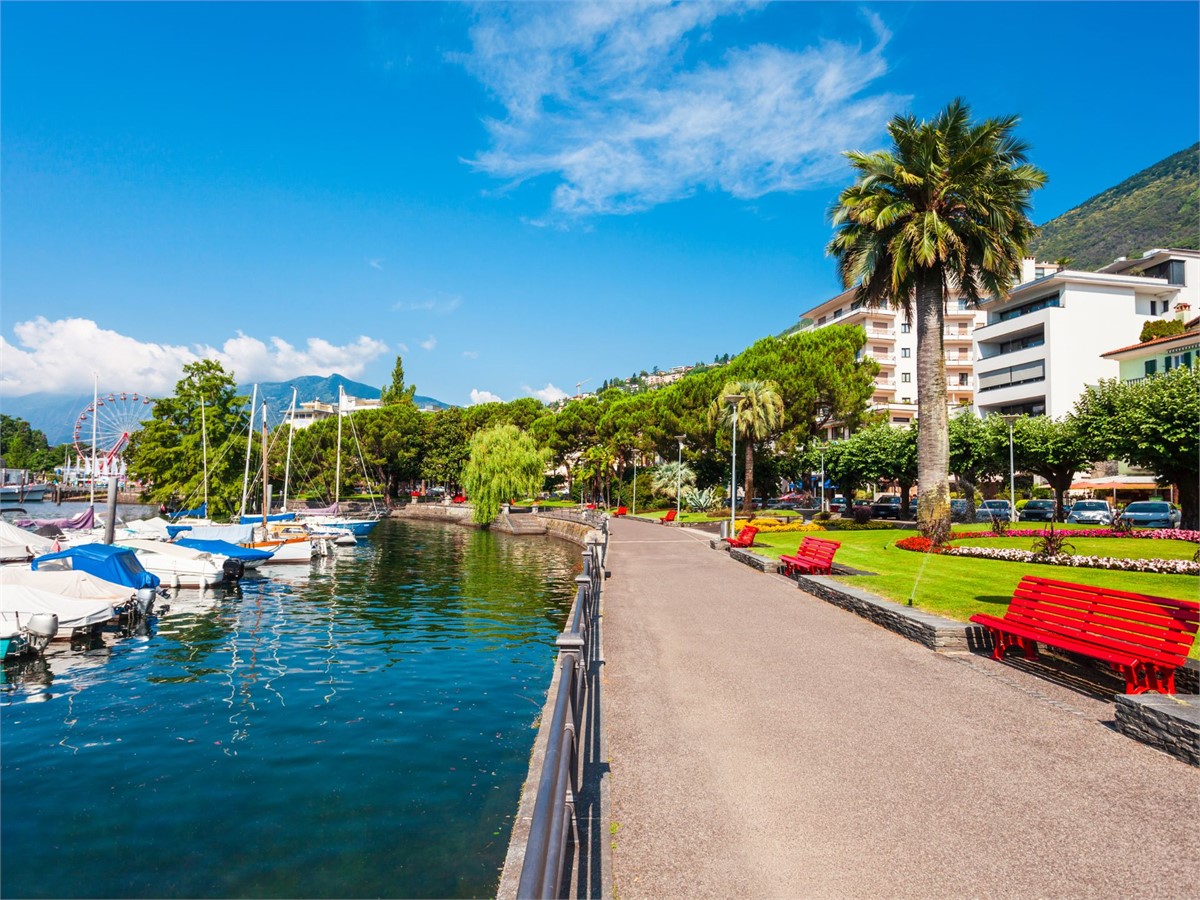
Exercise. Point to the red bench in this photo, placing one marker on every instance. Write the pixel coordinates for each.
(745, 537)
(669, 517)
(621, 511)
(813, 557)
(1145, 638)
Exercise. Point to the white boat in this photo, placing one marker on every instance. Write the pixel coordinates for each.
(19, 545)
(20, 603)
(77, 584)
(178, 566)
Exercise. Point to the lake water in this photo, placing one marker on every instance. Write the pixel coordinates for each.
(360, 729)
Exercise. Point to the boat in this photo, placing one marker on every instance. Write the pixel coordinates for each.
(76, 584)
(250, 557)
(84, 521)
(20, 546)
(22, 604)
(116, 565)
(177, 565)
(23, 493)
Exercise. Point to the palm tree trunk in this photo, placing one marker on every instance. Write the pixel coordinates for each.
(748, 489)
(933, 435)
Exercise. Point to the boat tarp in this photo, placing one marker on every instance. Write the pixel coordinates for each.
(116, 564)
(72, 612)
(224, 548)
(12, 536)
(85, 520)
(67, 582)
(234, 534)
(274, 517)
(324, 511)
(198, 513)
(155, 528)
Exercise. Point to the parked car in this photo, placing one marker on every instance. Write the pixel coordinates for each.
(1090, 512)
(886, 506)
(1037, 511)
(960, 510)
(1152, 514)
(993, 509)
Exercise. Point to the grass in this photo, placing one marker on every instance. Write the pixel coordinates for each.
(958, 587)
(1120, 548)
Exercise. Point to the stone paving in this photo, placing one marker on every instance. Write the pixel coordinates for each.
(764, 743)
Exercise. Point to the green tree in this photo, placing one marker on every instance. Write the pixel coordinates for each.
(1153, 424)
(673, 478)
(397, 391)
(1053, 449)
(945, 209)
(504, 463)
(887, 454)
(168, 451)
(759, 416)
(978, 452)
(445, 447)
(25, 447)
(390, 440)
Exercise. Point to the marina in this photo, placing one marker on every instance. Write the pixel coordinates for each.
(357, 727)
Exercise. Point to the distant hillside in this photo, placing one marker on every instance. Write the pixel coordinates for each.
(1157, 207)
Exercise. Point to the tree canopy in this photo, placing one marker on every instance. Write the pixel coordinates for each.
(504, 464)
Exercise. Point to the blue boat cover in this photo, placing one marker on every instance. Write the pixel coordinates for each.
(277, 517)
(224, 548)
(119, 565)
(198, 513)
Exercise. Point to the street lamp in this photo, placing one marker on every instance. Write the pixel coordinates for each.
(733, 400)
(822, 478)
(679, 475)
(1012, 493)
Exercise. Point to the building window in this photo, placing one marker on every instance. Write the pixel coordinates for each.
(907, 401)
(1151, 366)
(1039, 272)
(906, 377)
(963, 379)
(963, 305)
(905, 328)
(821, 321)
(837, 313)
(900, 420)
(1028, 308)
(905, 352)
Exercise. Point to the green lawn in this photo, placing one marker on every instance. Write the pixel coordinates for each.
(957, 587)
(1121, 548)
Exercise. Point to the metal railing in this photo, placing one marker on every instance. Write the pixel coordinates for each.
(553, 826)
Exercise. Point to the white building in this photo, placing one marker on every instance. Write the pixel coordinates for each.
(892, 342)
(1042, 344)
(315, 410)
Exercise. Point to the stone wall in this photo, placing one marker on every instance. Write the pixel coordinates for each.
(1168, 723)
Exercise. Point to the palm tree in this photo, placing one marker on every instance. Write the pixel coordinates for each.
(946, 209)
(759, 415)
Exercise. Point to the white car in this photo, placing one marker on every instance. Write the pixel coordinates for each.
(1091, 512)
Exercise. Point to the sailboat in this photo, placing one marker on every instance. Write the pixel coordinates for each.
(331, 516)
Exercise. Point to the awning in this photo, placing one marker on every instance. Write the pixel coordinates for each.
(1115, 486)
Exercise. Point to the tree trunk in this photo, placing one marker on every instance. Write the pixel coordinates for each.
(933, 434)
(748, 484)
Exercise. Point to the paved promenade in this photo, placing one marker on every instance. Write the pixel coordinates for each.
(766, 744)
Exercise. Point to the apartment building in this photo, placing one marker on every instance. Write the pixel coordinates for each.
(316, 410)
(892, 342)
(1044, 342)
(1139, 361)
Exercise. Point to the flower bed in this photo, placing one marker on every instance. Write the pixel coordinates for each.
(1157, 566)
(1161, 534)
(767, 524)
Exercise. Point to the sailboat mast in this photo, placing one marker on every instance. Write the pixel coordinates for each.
(95, 411)
(249, 441)
(266, 482)
(204, 453)
(287, 467)
(337, 478)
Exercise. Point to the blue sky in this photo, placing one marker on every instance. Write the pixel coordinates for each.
(515, 198)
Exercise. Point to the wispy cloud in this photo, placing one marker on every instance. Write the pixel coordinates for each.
(548, 394)
(376, 263)
(471, 354)
(478, 396)
(606, 97)
(61, 355)
(441, 305)
(429, 343)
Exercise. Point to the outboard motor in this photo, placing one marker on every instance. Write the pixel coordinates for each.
(145, 600)
(233, 569)
(41, 630)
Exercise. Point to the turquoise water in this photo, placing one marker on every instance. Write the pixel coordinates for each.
(360, 730)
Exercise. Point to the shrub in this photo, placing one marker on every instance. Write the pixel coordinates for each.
(851, 525)
(1052, 543)
(999, 526)
(823, 516)
(862, 515)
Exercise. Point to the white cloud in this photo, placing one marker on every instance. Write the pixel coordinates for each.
(478, 396)
(376, 263)
(62, 355)
(441, 305)
(429, 343)
(599, 96)
(548, 394)
(471, 354)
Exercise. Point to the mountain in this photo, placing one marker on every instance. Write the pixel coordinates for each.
(1157, 207)
(56, 414)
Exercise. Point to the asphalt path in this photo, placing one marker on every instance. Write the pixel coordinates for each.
(764, 743)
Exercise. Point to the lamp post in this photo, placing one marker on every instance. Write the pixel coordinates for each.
(635, 456)
(679, 474)
(822, 478)
(733, 400)
(1012, 480)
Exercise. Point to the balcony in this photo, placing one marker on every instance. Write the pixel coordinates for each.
(881, 334)
(957, 337)
(889, 358)
(959, 362)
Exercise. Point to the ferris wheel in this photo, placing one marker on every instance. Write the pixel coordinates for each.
(111, 419)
